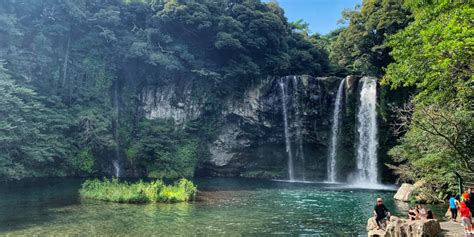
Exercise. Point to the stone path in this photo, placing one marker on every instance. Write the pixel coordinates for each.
(451, 229)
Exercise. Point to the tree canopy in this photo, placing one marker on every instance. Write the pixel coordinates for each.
(73, 72)
(361, 47)
(434, 54)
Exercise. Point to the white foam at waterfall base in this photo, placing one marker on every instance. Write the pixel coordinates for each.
(343, 186)
(367, 171)
(368, 186)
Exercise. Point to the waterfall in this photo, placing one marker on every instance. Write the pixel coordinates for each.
(331, 169)
(299, 125)
(284, 99)
(116, 162)
(116, 165)
(367, 171)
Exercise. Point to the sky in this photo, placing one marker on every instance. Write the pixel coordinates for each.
(322, 15)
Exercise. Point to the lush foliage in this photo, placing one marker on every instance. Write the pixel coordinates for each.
(435, 55)
(28, 138)
(76, 71)
(361, 46)
(156, 191)
(176, 152)
(424, 48)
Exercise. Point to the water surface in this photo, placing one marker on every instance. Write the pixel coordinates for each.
(249, 207)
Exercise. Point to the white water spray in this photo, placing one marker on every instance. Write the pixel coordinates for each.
(331, 170)
(116, 163)
(367, 171)
(299, 126)
(284, 99)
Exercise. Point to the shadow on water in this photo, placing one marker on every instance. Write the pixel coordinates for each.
(30, 202)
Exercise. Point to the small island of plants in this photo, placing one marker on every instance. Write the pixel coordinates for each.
(156, 191)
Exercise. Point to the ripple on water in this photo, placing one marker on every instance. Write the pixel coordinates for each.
(228, 207)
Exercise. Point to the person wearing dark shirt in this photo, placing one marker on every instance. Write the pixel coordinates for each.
(411, 214)
(471, 195)
(381, 213)
(429, 215)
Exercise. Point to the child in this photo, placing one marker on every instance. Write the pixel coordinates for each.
(465, 218)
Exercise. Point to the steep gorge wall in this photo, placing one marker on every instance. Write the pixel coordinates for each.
(249, 132)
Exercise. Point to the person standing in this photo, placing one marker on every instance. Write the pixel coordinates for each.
(381, 213)
(453, 206)
(465, 218)
(470, 196)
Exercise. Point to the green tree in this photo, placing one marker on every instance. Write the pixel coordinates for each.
(28, 144)
(361, 46)
(88, 62)
(434, 55)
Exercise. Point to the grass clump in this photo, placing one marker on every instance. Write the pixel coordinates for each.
(157, 191)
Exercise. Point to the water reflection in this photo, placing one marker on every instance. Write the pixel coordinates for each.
(225, 207)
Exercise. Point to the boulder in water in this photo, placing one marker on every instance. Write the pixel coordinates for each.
(404, 192)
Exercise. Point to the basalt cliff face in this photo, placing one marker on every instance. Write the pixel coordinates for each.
(279, 128)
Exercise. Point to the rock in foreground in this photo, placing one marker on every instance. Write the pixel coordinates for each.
(402, 227)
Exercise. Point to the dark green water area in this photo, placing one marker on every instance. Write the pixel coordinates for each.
(225, 207)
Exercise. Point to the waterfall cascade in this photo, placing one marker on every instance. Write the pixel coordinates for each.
(116, 165)
(331, 169)
(291, 100)
(284, 99)
(116, 162)
(367, 171)
(299, 126)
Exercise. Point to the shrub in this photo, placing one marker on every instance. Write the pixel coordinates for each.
(113, 190)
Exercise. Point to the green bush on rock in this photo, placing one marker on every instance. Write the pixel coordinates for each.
(113, 190)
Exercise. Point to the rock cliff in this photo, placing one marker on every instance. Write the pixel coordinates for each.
(249, 136)
(278, 124)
